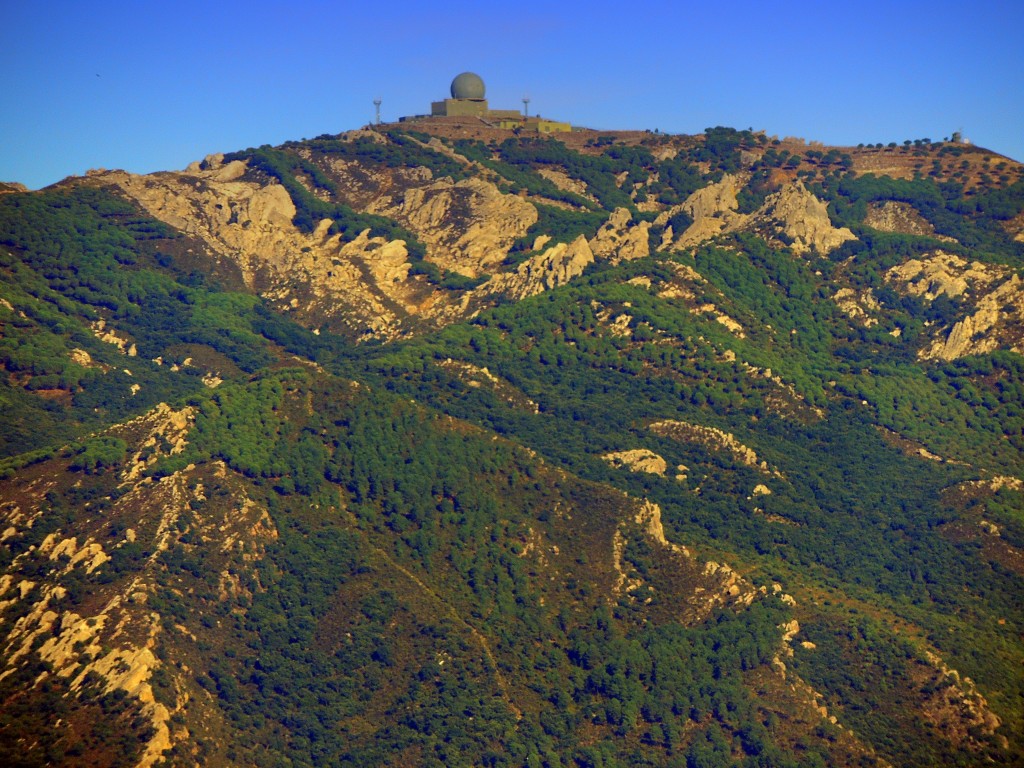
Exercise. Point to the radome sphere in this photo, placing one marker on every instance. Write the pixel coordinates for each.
(468, 85)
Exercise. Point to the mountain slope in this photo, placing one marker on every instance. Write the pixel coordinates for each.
(463, 448)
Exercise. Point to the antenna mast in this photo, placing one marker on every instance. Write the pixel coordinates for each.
(526, 106)
(377, 103)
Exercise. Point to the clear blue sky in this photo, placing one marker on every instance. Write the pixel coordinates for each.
(152, 86)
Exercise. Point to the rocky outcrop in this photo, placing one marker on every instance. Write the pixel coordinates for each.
(997, 322)
(566, 183)
(793, 214)
(161, 432)
(637, 460)
(102, 331)
(711, 584)
(713, 209)
(896, 216)
(994, 298)
(468, 226)
(858, 306)
(954, 705)
(802, 220)
(942, 273)
(712, 438)
(109, 637)
(359, 286)
(619, 239)
(554, 267)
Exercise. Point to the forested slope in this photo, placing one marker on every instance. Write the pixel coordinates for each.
(410, 448)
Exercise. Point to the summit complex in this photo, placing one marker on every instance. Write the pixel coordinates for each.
(468, 101)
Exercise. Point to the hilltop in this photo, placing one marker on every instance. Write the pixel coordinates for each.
(440, 444)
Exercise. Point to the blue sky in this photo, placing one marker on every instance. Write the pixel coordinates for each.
(147, 86)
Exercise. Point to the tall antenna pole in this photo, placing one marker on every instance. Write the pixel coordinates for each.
(376, 103)
(526, 106)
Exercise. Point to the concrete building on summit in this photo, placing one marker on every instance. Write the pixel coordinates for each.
(468, 99)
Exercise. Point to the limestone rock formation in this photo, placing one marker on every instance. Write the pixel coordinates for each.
(897, 216)
(468, 226)
(995, 298)
(858, 306)
(619, 239)
(940, 273)
(802, 219)
(997, 322)
(713, 438)
(793, 213)
(566, 183)
(713, 209)
(554, 267)
(637, 460)
(358, 286)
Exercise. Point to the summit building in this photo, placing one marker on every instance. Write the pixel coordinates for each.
(468, 100)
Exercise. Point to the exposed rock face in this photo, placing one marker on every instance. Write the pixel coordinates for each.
(165, 433)
(122, 341)
(803, 219)
(710, 437)
(793, 212)
(998, 321)
(942, 273)
(619, 240)
(859, 307)
(955, 707)
(896, 216)
(566, 183)
(713, 209)
(494, 221)
(995, 296)
(360, 287)
(357, 286)
(637, 460)
(554, 267)
(712, 584)
(109, 637)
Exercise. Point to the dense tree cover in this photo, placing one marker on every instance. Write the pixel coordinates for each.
(518, 176)
(885, 697)
(975, 222)
(396, 595)
(400, 149)
(722, 147)
(517, 160)
(593, 385)
(396, 617)
(678, 178)
(73, 258)
(599, 172)
(867, 521)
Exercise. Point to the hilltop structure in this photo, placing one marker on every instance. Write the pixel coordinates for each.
(468, 99)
